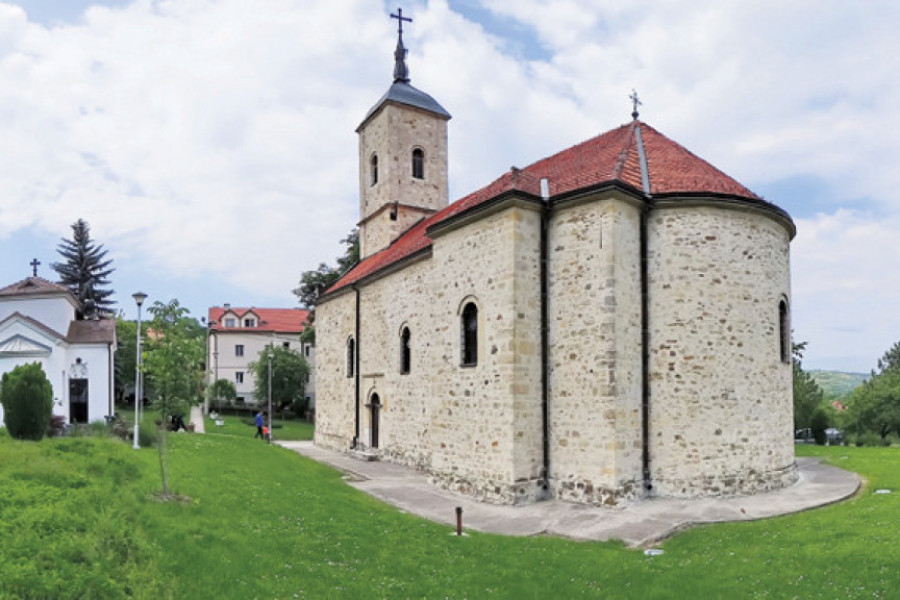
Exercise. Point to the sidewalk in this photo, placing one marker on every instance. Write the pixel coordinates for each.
(638, 524)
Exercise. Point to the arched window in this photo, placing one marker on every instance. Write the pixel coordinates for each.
(418, 164)
(373, 170)
(405, 357)
(784, 332)
(351, 357)
(470, 335)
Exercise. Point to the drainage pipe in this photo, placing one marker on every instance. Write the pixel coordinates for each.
(545, 320)
(356, 352)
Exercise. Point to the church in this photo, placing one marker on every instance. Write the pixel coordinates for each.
(607, 324)
(38, 323)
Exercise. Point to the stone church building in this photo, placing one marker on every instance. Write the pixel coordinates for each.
(609, 323)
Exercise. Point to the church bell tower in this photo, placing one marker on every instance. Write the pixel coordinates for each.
(402, 158)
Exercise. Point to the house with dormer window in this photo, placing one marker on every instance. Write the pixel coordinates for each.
(38, 323)
(237, 336)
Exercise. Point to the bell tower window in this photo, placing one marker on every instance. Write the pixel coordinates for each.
(373, 170)
(418, 163)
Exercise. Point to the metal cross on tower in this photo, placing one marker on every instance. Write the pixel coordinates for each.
(400, 18)
(34, 265)
(635, 102)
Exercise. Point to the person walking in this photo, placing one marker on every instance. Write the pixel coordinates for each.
(258, 421)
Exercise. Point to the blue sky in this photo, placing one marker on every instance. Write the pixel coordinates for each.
(210, 143)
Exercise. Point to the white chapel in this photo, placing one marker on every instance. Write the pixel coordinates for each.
(38, 324)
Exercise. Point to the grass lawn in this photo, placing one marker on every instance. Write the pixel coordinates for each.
(78, 520)
(243, 426)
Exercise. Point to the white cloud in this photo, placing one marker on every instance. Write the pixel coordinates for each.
(217, 137)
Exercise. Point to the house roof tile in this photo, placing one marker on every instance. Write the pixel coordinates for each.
(33, 286)
(278, 320)
(92, 331)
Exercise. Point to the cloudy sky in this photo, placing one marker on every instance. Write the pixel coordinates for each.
(210, 143)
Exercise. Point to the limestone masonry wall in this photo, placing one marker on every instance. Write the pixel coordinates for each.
(594, 342)
(720, 396)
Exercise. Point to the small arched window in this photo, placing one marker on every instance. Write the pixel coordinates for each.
(470, 335)
(351, 357)
(784, 332)
(418, 163)
(373, 170)
(405, 355)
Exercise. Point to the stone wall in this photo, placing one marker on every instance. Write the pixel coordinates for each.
(720, 396)
(474, 429)
(594, 339)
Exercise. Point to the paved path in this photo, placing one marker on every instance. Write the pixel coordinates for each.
(638, 524)
(197, 419)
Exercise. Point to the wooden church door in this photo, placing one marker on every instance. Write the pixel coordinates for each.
(78, 400)
(375, 407)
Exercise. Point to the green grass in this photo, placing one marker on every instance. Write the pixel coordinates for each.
(78, 519)
(289, 430)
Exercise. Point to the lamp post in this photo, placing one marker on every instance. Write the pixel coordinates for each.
(269, 387)
(209, 368)
(139, 298)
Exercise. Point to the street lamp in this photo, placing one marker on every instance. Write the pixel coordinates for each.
(269, 353)
(209, 369)
(139, 298)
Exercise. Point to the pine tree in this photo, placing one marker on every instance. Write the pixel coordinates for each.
(85, 271)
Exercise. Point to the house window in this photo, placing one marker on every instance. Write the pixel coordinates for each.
(239, 377)
(249, 322)
(238, 349)
(470, 335)
(404, 351)
(307, 350)
(229, 322)
(784, 331)
(286, 345)
(351, 357)
(373, 170)
(418, 164)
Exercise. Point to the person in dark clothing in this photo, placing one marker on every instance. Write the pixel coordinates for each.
(258, 421)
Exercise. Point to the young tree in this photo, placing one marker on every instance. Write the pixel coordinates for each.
(312, 283)
(27, 399)
(173, 361)
(807, 393)
(875, 405)
(221, 390)
(289, 374)
(85, 271)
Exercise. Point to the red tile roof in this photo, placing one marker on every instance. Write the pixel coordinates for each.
(279, 320)
(92, 331)
(609, 158)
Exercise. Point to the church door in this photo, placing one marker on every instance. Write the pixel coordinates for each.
(375, 408)
(78, 400)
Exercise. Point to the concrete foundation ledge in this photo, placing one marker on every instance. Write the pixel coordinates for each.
(639, 523)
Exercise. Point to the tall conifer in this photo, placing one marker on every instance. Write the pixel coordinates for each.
(85, 270)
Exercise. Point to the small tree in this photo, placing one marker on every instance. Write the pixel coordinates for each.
(222, 390)
(85, 271)
(173, 364)
(312, 283)
(289, 374)
(27, 398)
(807, 393)
(875, 405)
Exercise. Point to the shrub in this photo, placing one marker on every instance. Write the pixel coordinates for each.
(57, 426)
(870, 439)
(27, 399)
(818, 424)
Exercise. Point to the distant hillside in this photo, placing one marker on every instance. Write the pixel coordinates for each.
(836, 384)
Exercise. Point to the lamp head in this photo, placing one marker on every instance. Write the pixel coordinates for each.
(139, 298)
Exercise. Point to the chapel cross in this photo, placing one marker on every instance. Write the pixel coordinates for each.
(635, 102)
(400, 18)
(34, 265)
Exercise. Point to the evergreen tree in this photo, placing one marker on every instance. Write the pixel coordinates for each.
(85, 271)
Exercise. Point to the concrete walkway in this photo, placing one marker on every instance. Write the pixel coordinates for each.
(638, 524)
(197, 419)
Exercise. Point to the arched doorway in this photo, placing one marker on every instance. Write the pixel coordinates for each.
(374, 410)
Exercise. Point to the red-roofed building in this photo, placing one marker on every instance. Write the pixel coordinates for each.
(237, 336)
(608, 323)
